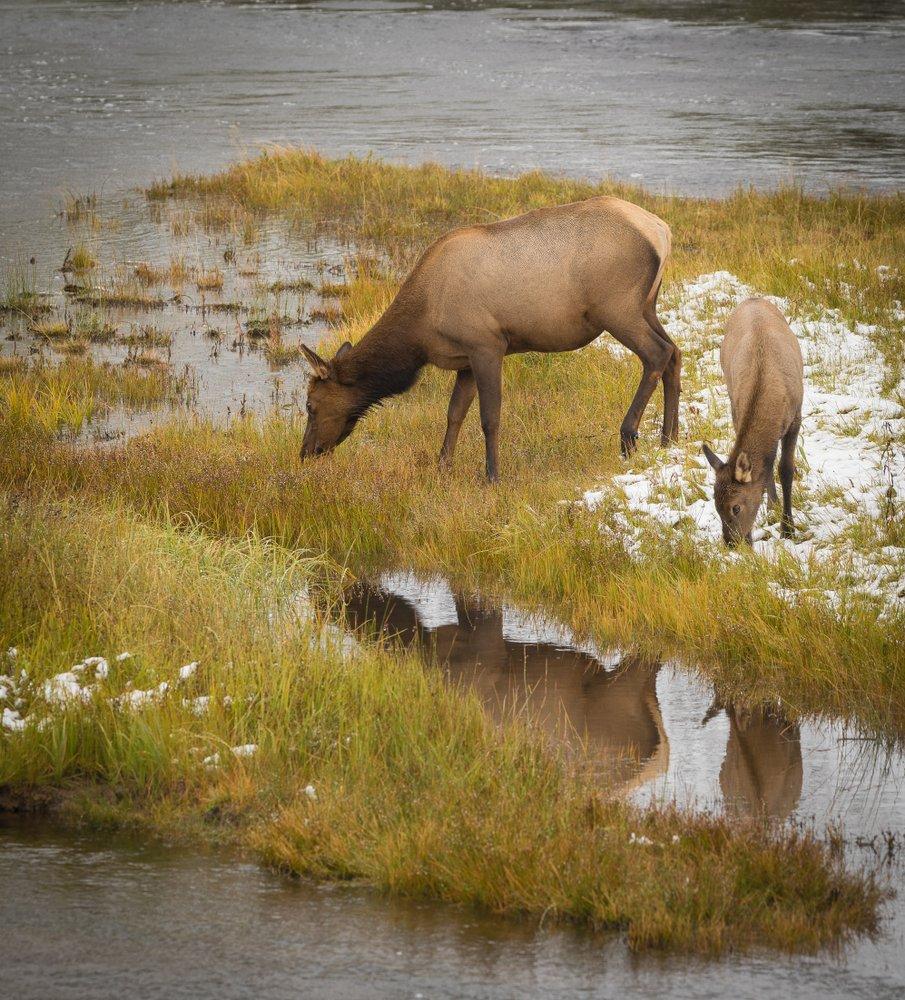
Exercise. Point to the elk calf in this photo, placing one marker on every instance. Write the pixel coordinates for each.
(764, 373)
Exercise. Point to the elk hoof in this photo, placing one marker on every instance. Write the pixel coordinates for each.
(786, 530)
(628, 442)
(445, 462)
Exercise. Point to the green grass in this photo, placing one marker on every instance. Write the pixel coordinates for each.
(417, 791)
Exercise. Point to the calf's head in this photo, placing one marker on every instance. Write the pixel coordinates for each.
(737, 495)
(334, 407)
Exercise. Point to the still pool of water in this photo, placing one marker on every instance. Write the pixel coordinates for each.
(93, 916)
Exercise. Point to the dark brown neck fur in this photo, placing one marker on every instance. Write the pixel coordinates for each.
(385, 362)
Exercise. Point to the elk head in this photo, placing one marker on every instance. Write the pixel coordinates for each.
(334, 407)
(737, 495)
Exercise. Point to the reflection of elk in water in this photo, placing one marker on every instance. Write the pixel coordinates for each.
(762, 770)
(565, 691)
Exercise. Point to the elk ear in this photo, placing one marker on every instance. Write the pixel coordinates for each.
(716, 463)
(743, 468)
(345, 347)
(321, 368)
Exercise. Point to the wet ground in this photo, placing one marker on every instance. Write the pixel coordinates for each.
(148, 296)
(94, 916)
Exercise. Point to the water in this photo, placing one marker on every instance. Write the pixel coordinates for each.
(690, 96)
(93, 916)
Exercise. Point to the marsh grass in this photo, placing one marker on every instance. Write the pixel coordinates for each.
(415, 790)
(147, 335)
(20, 292)
(381, 501)
(840, 251)
(79, 259)
(51, 328)
(79, 207)
(126, 294)
(52, 398)
(209, 280)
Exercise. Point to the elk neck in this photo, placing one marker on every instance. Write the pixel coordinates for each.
(385, 362)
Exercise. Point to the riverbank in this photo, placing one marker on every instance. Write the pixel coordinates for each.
(206, 701)
(180, 547)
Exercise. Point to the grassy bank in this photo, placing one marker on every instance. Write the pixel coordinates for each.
(346, 763)
(380, 500)
(196, 543)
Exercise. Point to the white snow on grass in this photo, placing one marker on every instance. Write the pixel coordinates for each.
(12, 720)
(851, 453)
(188, 670)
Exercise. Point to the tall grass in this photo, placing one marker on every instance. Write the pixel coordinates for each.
(50, 398)
(367, 765)
(380, 500)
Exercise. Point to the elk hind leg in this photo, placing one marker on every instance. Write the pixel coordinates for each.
(672, 378)
(655, 353)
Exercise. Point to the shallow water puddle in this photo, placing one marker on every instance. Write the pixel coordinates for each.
(215, 339)
(655, 728)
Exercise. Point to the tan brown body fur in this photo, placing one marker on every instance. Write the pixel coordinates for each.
(550, 280)
(764, 373)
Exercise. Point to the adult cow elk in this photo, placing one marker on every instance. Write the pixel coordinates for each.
(764, 372)
(549, 280)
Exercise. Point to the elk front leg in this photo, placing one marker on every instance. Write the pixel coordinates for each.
(786, 475)
(488, 375)
(462, 397)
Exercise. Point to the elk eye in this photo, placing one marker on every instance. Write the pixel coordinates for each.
(736, 509)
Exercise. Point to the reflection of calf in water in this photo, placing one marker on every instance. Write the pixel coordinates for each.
(762, 770)
(566, 691)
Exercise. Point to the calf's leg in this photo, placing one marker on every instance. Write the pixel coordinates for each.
(488, 374)
(786, 475)
(463, 395)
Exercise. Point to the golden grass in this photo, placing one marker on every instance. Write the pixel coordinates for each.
(79, 259)
(415, 789)
(50, 398)
(813, 250)
(210, 280)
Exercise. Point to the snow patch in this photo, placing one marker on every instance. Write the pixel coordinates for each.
(851, 457)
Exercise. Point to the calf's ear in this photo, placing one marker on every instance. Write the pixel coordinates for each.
(716, 463)
(743, 468)
(345, 347)
(321, 368)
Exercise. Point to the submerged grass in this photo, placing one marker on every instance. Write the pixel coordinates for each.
(46, 399)
(351, 762)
